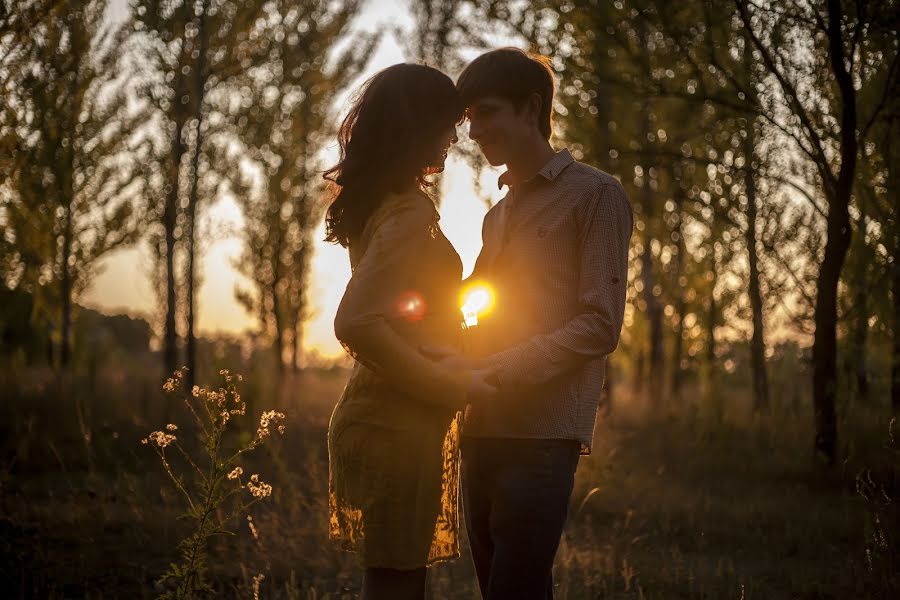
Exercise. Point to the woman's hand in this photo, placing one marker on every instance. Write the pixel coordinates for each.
(450, 358)
(483, 381)
(482, 386)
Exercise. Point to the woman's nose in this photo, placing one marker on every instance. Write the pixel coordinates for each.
(475, 131)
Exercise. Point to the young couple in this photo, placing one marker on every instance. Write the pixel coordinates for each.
(514, 396)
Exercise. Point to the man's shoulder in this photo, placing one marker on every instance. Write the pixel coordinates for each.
(591, 177)
(496, 208)
(596, 190)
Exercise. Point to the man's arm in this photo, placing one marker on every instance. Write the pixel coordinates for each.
(595, 330)
(488, 245)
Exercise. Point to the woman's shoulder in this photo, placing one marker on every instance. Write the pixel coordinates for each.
(414, 200)
(400, 214)
(406, 208)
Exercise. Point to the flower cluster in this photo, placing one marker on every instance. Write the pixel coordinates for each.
(207, 492)
(217, 401)
(229, 377)
(174, 382)
(161, 438)
(258, 489)
(267, 420)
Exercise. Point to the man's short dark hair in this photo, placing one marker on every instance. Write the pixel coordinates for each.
(512, 74)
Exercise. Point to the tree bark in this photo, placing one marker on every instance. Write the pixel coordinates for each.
(758, 344)
(860, 306)
(170, 219)
(191, 213)
(895, 363)
(654, 308)
(711, 324)
(66, 289)
(296, 345)
(892, 187)
(67, 192)
(277, 317)
(838, 229)
(677, 372)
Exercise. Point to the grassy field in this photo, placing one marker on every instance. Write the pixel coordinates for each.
(678, 503)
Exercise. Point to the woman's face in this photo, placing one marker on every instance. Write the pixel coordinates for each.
(441, 145)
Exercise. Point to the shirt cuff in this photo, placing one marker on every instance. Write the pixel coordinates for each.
(512, 368)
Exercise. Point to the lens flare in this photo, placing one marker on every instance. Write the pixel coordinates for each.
(477, 300)
(411, 306)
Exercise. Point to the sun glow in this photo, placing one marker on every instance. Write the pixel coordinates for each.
(476, 300)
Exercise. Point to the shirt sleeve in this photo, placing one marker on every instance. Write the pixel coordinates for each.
(594, 331)
(488, 244)
(375, 296)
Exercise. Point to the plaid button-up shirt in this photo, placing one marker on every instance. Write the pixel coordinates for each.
(555, 250)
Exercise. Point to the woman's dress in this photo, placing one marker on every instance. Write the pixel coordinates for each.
(393, 439)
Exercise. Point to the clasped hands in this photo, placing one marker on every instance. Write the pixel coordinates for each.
(483, 384)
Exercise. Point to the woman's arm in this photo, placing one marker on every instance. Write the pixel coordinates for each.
(372, 298)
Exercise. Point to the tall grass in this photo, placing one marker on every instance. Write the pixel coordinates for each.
(681, 503)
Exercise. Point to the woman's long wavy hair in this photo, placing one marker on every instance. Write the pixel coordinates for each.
(386, 143)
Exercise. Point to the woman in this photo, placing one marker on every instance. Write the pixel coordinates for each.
(393, 437)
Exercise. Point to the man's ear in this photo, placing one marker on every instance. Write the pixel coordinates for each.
(533, 105)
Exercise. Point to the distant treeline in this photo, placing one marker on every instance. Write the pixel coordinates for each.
(96, 336)
(757, 142)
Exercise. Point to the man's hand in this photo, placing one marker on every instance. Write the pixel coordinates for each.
(482, 386)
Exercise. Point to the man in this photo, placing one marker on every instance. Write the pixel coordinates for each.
(555, 250)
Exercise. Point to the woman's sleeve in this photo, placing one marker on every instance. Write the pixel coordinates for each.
(378, 292)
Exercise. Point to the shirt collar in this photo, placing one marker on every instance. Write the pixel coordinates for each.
(550, 171)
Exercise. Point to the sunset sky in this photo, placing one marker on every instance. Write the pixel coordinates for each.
(124, 284)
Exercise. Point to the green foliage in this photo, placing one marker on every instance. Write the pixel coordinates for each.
(70, 192)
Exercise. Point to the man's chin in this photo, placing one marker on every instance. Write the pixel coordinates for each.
(493, 159)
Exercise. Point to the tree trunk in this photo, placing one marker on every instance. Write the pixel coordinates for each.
(296, 345)
(279, 327)
(680, 303)
(639, 367)
(860, 306)
(191, 215)
(67, 194)
(170, 219)
(66, 289)
(648, 159)
(758, 344)
(654, 308)
(277, 317)
(825, 342)
(892, 187)
(711, 324)
(895, 368)
(838, 193)
(654, 316)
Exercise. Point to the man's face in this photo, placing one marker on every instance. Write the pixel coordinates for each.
(498, 127)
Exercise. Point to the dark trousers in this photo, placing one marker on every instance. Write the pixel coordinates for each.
(516, 497)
